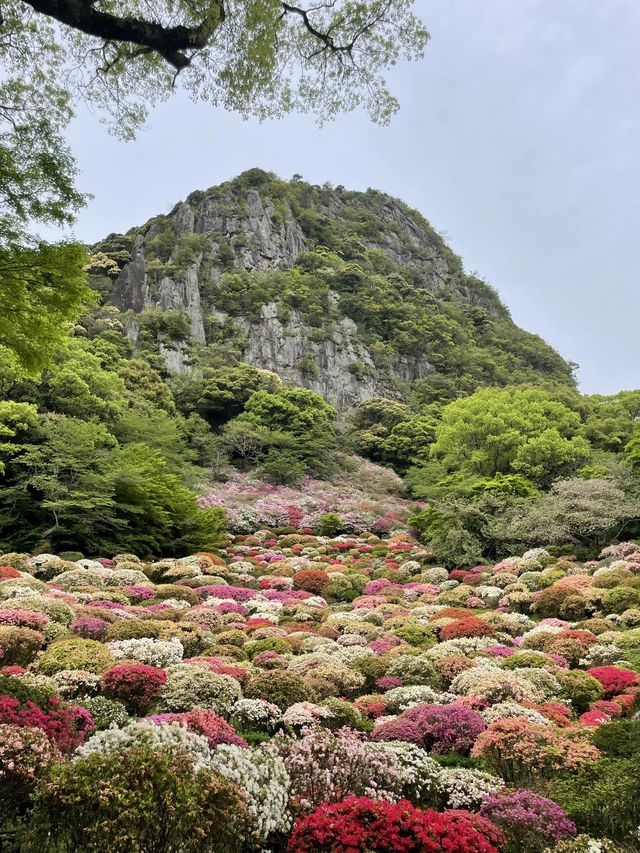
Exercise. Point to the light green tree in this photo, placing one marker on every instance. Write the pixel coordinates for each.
(510, 430)
(42, 292)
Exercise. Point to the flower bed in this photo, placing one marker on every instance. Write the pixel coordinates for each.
(323, 693)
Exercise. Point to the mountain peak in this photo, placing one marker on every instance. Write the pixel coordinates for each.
(351, 294)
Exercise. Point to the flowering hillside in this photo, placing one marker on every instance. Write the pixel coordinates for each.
(315, 694)
(363, 499)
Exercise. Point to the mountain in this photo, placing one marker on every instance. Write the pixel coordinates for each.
(351, 294)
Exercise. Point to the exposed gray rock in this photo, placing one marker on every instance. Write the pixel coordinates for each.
(257, 232)
(131, 291)
(183, 296)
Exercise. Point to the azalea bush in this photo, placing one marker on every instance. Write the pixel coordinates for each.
(520, 751)
(26, 756)
(137, 799)
(361, 824)
(137, 686)
(66, 725)
(529, 821)
(437, 728)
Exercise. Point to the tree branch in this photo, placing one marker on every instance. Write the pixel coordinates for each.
(169, 42)
(325, 38)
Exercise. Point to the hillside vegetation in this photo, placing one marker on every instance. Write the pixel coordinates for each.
(167, 390)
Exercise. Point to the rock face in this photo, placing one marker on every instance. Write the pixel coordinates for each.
(178, 263)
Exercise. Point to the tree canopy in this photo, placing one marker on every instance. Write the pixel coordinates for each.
(510, 430)
(264, 57)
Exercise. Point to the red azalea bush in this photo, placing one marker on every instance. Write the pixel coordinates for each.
(593, 719)
(67, 725)
(136, 685)
(613, 679)
(8, 572)
(472, 626)
(438, 728)
(361, 825)
(311, 580)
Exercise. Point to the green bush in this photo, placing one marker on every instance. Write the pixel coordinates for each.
(135, 801)
(344, 714)
(329, 524)
(618, 739)
(620, 599)
(21, 689)
(579, 687)
(603, 799)
(134, 629)
(75, 653)
(282, 688)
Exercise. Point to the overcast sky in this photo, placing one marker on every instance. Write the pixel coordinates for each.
(518, 136)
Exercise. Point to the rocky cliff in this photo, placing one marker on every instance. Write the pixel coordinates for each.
(350, 294)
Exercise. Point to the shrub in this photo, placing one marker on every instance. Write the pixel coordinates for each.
(529, 820)
(325, 768)
(469, 627)
(466, 788)
(24, 619)
(136, 800)
(450, 666)
(261, 775)
(520, 751)
(343, 713)
(618, 739)
(417, 773)
(359, 824)
(580, 688)
(90, 627)
(620, 599)
(282, 688)
(210, 725)
(26, 754)
(613, 679)
(311, 580)
(412, 669)
(136, 685)
(415, 635)
(68, 726)
(329, 524)
(160, 653)
(106, 712)
(75, 653)
(191, 686)
(605, 798)
(438, 728)
(25, 690)
(135, 629)
(19, 645)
